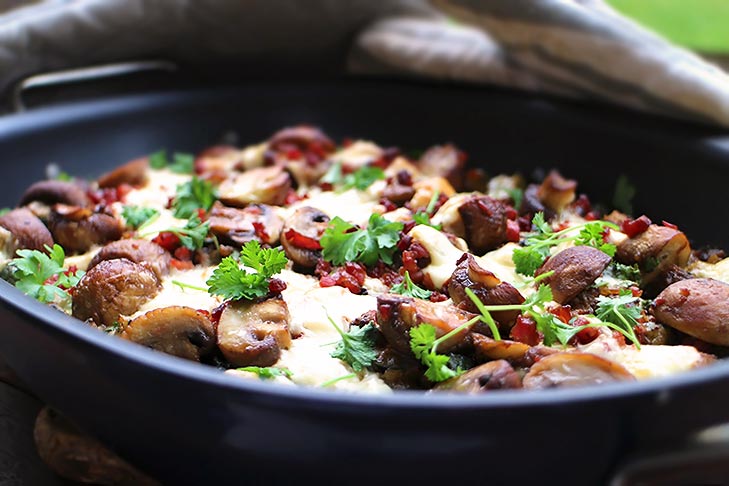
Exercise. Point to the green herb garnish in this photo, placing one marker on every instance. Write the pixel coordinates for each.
(357, 347)
(231, 281)
(136, 216)
(268, 372)
(343, 242)
(409, 289)
(191, 196)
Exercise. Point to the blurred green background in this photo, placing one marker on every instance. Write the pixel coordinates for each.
(702, 25)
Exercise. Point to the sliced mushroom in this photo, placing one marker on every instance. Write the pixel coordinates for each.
(27, 230)
(484, 223)
(55, 192)
(487, 287)
(77, 229)
(556, 192)
(444, 161)
(574, 369)
(238, 226)
(396, 315)
(575, 269)
(143, 252)
(494, 375)
(655, 250)
(264, 185)
(133, 173)
(113, 288)
(699, 307)
(254, 333)
(486, 348)
(300, 236)
(180, 331)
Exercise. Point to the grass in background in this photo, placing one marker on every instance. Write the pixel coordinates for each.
(702, 25)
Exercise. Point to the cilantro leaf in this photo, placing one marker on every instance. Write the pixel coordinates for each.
(333, 175)
(423, 344)
(136, 216)
(343, 242)
(625, 272)
(42, 275)
(360, 179)
(409, 289)
(182, 163)
(158, 160)
(357, 347)
(624, 194)
(528, 259)
(622, 311)
(541, 225)
(593, 234)
(191, 196)
(231, 281)
(268, 372)
(192, 235)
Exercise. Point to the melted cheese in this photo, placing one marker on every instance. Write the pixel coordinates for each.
(172, 294)
(353, 206)
(717, 271)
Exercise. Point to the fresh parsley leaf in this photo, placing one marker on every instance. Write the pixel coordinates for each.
(593, 234)
(423, 217)
(158, 160)
(182, 163)
(531, 256)
(42, 275)
(266, 262)
(408, 288)
(136, 216)
(624, 194)
(357, 347)
(516, 195)
(64, 176)
(625, 272)
(191, 196)
(333, 175)
(360, 179)
(423, 344)
(622, 311)
(192, 235)
(269, 372)
(343, 242)
(114, 328)
(231, 281)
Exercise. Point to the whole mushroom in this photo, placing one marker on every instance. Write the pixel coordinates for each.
(28, 231)
(143, 252)
(180, 331)
(55, 192)
(575, 269)
(264, 185)
(77, 229)
(655, 250)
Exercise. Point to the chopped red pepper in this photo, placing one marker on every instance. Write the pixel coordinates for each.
(168, 241)
(525, 331)
(512, 231)
(301, 241)
(634, 227)
(181, 265)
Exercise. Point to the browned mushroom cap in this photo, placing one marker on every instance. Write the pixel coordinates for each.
(574, 369)
(78, 229)
(254, 333)
(487, 287)
(575, 269)
(264, 185)
(28, 231)
(301, 137)
(300, 236)
(444, 161)
(484, 222)
(699, 307)
(556, 192)
(239, 226)
(133, 173)
(53, 192)
(143, 252)
(655, 250)
(180, 331)
(494, 375)
(113, 288)
(396, 315)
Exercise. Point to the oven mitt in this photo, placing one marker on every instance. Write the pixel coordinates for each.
(575, 48)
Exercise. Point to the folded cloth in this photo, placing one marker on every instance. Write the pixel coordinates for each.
(575, 48)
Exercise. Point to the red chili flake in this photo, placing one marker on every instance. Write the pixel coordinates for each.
(387, 275)
(585, 336)
(183, 254)
(511, 213)
(260, 230)
(636, 291)
(201, 213)
(525, 224)
(436, 296)
(293, 154)
(582, 205)
(525, 331)
(685, 292)
(563, 313)
(669, 225)
(327, 281)
(389, 205)
(168, 241)
(634, 227)
(512, 231)
(181, 265)
(276, 286)
(301, 241)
